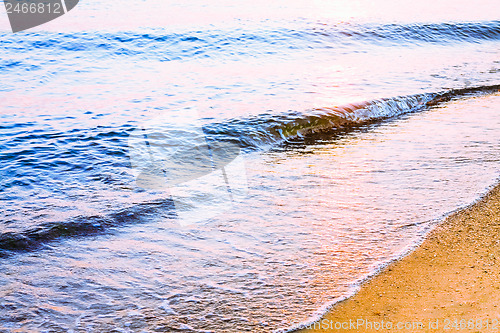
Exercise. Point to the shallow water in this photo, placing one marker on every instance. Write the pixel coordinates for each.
(345, 159)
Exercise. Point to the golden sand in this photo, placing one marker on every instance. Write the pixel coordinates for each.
(450, 283)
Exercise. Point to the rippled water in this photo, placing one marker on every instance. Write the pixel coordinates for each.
(358, 129)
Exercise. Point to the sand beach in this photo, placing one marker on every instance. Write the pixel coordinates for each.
(450, 282)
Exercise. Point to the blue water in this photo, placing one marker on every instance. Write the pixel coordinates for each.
(355, 132)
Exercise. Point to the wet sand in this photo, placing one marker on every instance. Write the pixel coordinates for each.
(451, 282)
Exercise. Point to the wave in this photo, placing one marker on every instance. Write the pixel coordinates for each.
(439, 33)
(34, 238)
(253, 133)
(266, 129)
(161, 45)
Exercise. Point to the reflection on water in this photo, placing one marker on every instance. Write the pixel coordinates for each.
(317, 219)
(84, 248)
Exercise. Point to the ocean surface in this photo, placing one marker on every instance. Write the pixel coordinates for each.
(231, 166)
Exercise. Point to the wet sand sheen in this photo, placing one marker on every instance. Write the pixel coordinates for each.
(453, 275)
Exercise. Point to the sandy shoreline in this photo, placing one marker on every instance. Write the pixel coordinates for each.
(450, 282)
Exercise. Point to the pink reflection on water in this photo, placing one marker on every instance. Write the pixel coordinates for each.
(130, 15)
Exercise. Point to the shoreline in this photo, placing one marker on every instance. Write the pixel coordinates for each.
(450, 281)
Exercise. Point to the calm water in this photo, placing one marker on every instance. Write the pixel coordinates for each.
(345, 158)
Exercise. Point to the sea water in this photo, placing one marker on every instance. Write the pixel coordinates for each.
(348, 130)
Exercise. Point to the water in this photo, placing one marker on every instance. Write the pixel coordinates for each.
(360, 125)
